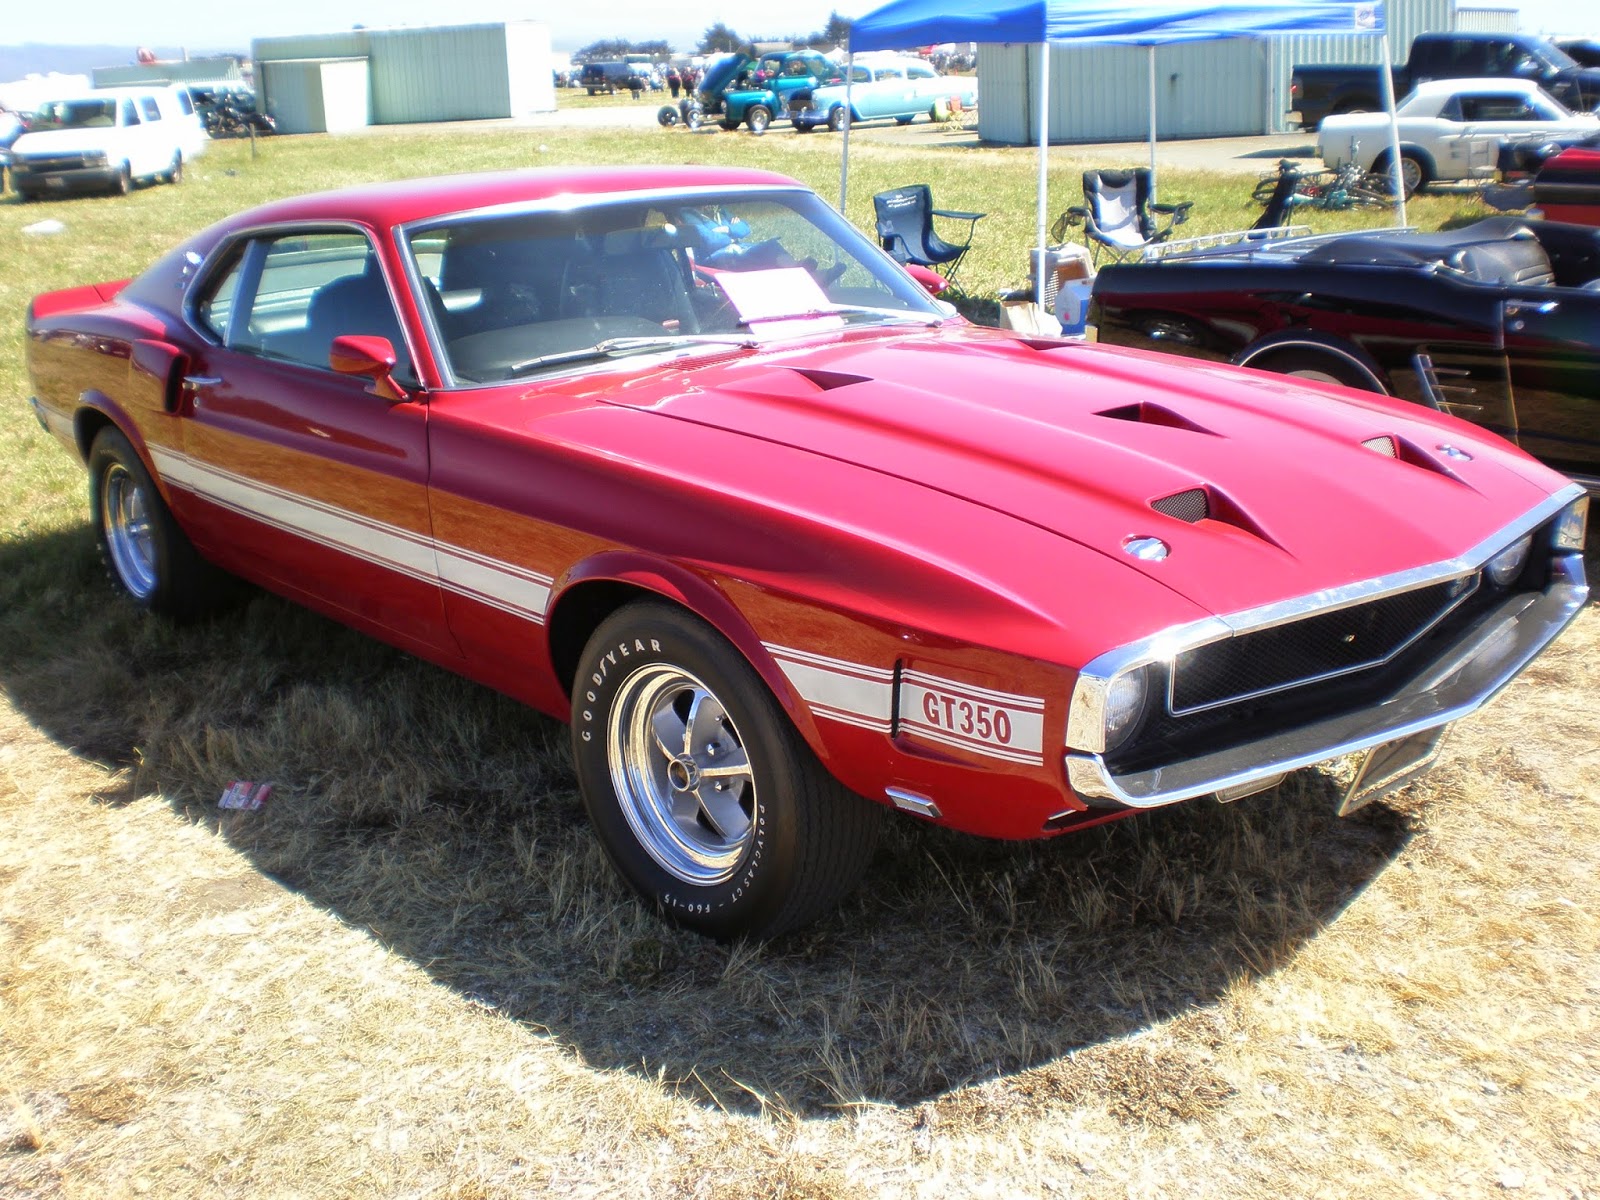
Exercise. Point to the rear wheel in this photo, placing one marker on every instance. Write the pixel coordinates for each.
(1317, 367)
(706, 799)
(758, 118)
(905, 120)
(174, 173)
(148, 558)
(730, 126)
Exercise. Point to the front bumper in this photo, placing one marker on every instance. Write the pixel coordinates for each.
(74, 179)
(1465, 676)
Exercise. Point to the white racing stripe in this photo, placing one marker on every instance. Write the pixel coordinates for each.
(502, 585)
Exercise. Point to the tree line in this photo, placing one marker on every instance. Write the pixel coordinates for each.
(718, 39)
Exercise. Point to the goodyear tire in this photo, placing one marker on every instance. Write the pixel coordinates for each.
(146, 555)
(706, 799)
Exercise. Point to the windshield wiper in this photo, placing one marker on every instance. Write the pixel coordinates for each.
(899, 316)
(618, 346)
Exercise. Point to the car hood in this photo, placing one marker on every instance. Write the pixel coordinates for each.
(65, 141)
(1091, 444)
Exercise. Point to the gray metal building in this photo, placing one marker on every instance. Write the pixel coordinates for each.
(1203, 89)
(314, 83)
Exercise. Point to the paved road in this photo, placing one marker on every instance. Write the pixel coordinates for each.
(1237, 155)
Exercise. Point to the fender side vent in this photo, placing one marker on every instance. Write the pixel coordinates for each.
(1154, 414)
(1383, 445)
(1191, 506)
(828, 380)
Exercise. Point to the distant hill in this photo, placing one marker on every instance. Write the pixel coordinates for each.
(37, 58)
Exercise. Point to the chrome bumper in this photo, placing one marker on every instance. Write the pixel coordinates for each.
(1504, 641)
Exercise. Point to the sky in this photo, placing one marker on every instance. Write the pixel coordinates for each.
(230, 25)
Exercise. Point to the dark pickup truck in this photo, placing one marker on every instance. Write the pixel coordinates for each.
(1321, 91)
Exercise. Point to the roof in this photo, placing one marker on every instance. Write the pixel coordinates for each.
(399, 201)
(1434, 87)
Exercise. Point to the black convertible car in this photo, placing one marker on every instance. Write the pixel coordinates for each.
(1497, 322)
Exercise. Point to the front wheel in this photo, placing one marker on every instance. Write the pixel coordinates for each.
(758, 118)
(147, 556)
(667, 116)
(908, 120)
(705, 798)
(838, 118)
(124, 181)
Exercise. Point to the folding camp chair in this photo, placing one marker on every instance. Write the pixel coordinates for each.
(1119, 217)
(905, 228)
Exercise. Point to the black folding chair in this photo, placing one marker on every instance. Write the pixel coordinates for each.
(905, 229)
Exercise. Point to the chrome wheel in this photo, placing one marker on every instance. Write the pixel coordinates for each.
(125, 515)
(681, 773)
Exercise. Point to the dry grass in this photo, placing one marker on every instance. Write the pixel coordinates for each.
(413, 975)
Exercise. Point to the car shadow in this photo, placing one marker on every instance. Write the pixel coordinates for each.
(443, 819)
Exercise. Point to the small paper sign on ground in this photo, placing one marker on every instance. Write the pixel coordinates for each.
(242, 794)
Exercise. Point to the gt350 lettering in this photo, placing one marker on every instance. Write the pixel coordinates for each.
(975, 719)
(963, 716)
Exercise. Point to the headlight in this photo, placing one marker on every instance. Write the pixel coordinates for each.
(1504, 567)
(1571, 525)
(1125, 702)
(95, 158)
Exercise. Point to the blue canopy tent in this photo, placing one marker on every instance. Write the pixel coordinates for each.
(903, 23)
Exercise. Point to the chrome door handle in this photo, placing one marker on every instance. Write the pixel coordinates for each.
(197, 381)
(1544, 308)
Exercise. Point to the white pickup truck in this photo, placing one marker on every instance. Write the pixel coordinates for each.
(107, 138)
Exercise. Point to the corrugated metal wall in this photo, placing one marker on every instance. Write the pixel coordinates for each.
(1203, 89)
(447, 73)
(315, 95)
(1488, 20)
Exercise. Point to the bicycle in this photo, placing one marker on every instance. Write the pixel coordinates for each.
(1335, 190)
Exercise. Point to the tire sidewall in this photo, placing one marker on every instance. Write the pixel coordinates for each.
(113, 449)
(647, 635)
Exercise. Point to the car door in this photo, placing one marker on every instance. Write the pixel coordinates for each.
(1490, 118)
(1552, 340)
(292, 473)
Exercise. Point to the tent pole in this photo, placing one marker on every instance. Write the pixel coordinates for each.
(844, 150)
(1040, 257)
(1386, 81)
(1150, 55)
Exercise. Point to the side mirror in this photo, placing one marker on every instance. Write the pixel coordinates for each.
(371, 357)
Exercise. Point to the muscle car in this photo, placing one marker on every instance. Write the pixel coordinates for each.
(1497, 323)
(1450, 130)
(679, 456)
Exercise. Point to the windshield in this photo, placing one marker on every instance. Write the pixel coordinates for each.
(516, 294)
(74, 114)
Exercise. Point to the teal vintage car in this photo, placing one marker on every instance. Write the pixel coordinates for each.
(893, 87)
(739, 90)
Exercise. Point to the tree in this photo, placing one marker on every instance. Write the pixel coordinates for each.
(837, 31)
(719, 39)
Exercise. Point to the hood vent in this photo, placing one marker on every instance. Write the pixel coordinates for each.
(1399, 449)
(828, 380)
(1154, 414)
(1191, 506)
(1383, 445)
(1198, 504)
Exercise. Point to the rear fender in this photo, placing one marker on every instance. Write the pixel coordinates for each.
(67, 300)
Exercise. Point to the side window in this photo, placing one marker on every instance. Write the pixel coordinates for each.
(294, 294)
(185, 102)
(127, 114)
(149, 109)
(921, 73)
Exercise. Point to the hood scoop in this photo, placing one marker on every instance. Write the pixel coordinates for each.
(1401, 450)
(1207, 503)
(828, 380)
(1148, 413)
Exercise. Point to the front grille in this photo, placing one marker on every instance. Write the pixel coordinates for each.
(54, 162)
(1313, 648)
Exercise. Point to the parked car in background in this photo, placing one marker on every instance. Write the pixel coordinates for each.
(1583, 51)
(680, 456)
(1567, 186)
(1317, 92)
(605, 77)
(1451, 130)
(1497, 323)
(898, 88)
(739, 90)
(107, 139)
